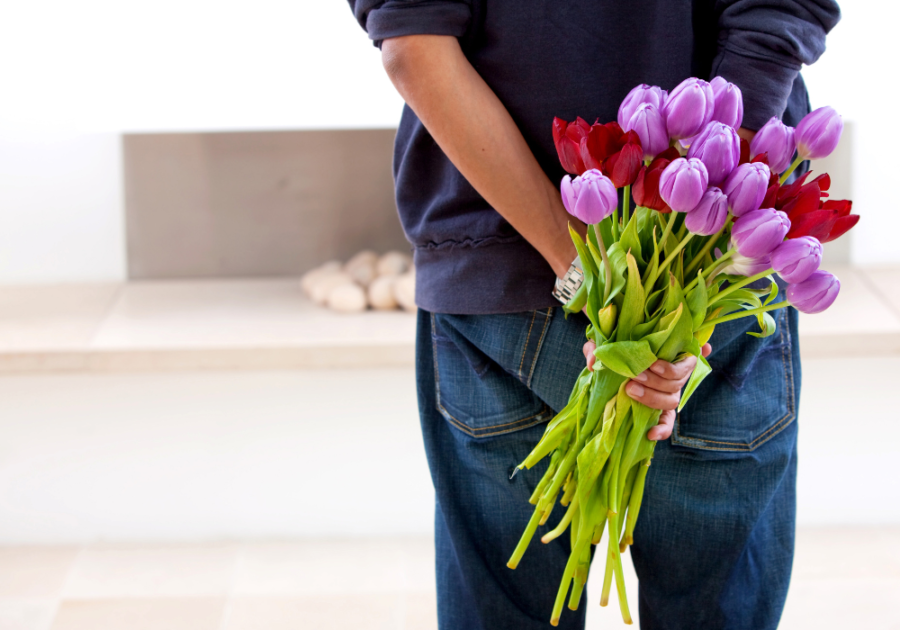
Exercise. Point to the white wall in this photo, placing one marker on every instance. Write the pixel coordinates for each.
(200, 456)
(854, 77)
(61, 213)
(70, 70)
(75, 75)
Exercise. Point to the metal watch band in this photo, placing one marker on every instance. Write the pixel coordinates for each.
(570, 283)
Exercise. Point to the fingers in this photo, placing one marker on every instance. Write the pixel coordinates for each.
(674, 371)
(653, 398)
(706, 350)
(588, 351)
(663, 430)
(650, 380)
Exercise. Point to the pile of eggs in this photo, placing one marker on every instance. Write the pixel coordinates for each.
(384, 283)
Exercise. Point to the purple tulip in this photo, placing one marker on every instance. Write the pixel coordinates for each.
(746, 187)
(590, 197)
(683, 183)
(638, 96)
(719, 148)
(797, 258)
(814, 294)
(818, 133)
(777, 140)
(759, 232)
(729, 107)
(744, 265)
(689, 108)
(647, 122)
(710, 214)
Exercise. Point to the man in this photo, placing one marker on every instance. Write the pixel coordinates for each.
(476, 175)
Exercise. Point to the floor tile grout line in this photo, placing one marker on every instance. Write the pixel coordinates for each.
(873, 287)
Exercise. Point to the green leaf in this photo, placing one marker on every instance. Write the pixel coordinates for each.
(619, 266)
(773, 291)
(627, 358)
(680, 338)
(665, 328)
(645, 224)
(642, 330)
(629, 241)
(590, 278)
(766, 325)
(698, 301)
(633, 306)
(578, 300)
(702, 370)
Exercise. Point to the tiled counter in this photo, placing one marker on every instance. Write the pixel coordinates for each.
(268, 324)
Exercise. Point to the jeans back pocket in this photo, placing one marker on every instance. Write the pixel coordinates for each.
(483, 366)
(750, 395)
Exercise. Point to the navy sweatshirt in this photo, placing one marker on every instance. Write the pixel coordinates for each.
(568, 58)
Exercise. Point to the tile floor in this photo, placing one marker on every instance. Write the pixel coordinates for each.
(843, 577)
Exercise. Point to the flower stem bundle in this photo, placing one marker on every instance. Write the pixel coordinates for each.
(658, 278)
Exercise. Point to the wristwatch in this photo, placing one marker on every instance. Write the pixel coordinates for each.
(566, 286)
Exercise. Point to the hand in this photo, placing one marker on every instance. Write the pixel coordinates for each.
(658, 387)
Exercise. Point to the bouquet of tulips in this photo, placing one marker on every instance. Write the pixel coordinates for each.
(714, 216)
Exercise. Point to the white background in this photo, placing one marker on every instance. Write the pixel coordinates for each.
(75, 75)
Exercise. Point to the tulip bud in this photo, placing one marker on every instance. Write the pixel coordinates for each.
(759, 232)
(797, 258)
(815, 294)
(607, 320)
(729, 103)
(683, 183)
(648, 123)
(623, 167)
(590, 197)
(746, 187)
(638, 96)
(746, 266)
(818, 133)
(567, 139)
(719, 148)
(777, 140)
(689, 108)
(710, 214)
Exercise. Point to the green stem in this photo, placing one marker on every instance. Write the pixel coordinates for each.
(666, 232)
(703, 252)
(750, 313)
(605, 257)
(615, 224)
(713, 270)
(671, 257)
(740, 285)
(626, 205)
(790, 170)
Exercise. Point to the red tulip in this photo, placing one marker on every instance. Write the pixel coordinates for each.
(809, 214)
(601, 143)
(623, 166)
(646, 186)
(567, 137)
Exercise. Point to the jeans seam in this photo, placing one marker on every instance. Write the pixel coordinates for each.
(525, 345)
(540, 343)
(769, 433)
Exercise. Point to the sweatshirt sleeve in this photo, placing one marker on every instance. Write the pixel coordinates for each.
(383, 19)
(762, 45)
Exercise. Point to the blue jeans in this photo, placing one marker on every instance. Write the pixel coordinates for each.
(715, 538)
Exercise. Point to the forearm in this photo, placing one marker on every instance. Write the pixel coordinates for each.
(480, 138)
